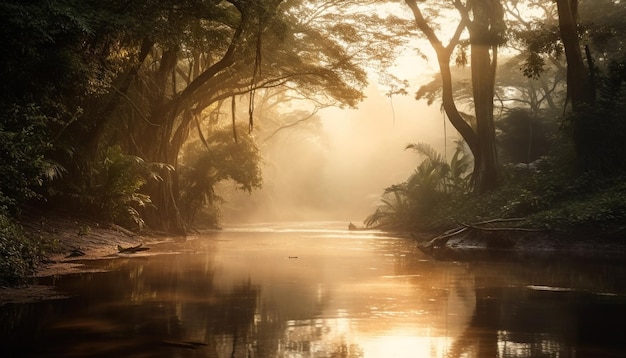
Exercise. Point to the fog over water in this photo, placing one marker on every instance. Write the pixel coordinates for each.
(338, 170)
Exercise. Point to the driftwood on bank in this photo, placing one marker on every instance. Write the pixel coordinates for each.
(132, 249)
(481, 226)
(185, 344)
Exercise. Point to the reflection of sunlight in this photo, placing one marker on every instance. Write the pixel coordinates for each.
(403, 345)
(327, 335)
(318, 336)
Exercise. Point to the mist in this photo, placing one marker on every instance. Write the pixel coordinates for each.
(335, 166)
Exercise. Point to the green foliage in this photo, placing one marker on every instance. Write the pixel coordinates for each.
(18, 255)
(23, 144)
(46, 57)
(395, 210)
(203, 167)
(550, 195)
(411, 204)
(599, 132)
(599, 212)
(110, 188)
(523, 137)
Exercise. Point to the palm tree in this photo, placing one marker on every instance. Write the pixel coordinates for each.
(394, 209)
(432, 182)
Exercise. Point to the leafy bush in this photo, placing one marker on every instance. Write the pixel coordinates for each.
(434, 183)
(599, 131)
(549, 194)
(596, 206)
(18, 255)
(23, 144)
(110, 188)
(204, 165)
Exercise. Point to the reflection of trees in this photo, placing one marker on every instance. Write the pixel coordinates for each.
(481, 332)
(344, 350)
(156, 308)
(164, 307)
(316, 338)
(175, 306)
(513, 320)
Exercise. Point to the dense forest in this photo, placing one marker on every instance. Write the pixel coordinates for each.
(543, 147)
(132, 112)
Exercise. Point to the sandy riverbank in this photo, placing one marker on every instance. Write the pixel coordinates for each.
(69, 241)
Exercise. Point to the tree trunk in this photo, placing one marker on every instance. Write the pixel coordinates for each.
(155, 146)
(487, 22)
(485, 31)
(466, 131)
(443, 57)
(580, 90)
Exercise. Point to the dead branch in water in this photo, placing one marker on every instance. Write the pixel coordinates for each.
(442, 240)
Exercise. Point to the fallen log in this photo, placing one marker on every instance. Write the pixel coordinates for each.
(185, 344)
(75, 252)
(132, 249)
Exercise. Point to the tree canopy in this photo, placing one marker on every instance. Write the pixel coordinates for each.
(133, 82)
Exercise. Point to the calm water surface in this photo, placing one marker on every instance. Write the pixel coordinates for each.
(317, 291)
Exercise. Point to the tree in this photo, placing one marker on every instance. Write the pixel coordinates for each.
(433, 183)
(202, 168)
(45, 74)
(205, 54)
(486, 30)
(580, 87)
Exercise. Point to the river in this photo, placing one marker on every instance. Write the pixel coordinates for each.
(318, 290)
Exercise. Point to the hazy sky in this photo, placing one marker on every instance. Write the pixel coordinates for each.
(341, 174)
(342, 178)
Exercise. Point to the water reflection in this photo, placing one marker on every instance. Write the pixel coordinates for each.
(329, 293)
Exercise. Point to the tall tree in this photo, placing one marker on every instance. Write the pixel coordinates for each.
(580, 88)
(486, 31)
(484, 20)
(206, 53)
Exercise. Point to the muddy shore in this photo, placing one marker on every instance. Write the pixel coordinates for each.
(69, 241)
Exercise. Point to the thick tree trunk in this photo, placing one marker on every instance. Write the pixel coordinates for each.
(443, 57)
(486, 177)
(485, 31)
(459, 123)
(482, 140)
(155, 146)
(580, 90)
(165, 215)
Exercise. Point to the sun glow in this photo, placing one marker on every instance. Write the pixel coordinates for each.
(403, 345)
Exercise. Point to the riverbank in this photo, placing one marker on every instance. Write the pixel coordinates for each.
(518, 245)
(71, 238)
(65, 242)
